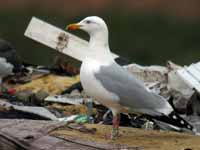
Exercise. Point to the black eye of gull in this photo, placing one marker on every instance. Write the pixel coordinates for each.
(88, 21)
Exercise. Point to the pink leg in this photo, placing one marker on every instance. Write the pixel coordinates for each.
(115, 129)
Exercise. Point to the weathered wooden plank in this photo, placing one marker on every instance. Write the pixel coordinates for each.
(57, 39)
(190, 80)
(34, 135)
(198, 63)
(9, 144)
(197, 66)
(194, 72)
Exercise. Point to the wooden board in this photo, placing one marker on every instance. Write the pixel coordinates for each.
(33, 135)
(57, 39)
(191, 75)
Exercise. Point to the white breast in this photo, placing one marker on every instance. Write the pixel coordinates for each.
(94, 88)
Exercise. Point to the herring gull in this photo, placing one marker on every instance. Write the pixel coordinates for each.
(113, 86)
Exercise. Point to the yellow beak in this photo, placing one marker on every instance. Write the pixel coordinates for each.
(73, 26)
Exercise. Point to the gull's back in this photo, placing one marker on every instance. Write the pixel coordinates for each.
(131, 91)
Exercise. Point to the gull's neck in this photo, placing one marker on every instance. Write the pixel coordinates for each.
(99, 38)
(100, 47)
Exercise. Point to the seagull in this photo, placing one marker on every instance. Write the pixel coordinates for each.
(9, 61)
(113, 86)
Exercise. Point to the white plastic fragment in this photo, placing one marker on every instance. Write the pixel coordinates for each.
(65, 99)
(68, 119)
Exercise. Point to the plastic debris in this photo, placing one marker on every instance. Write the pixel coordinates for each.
(82, 119)
(66, 99)
(191, 75)
(68, 119)
(76, 106)
(40, 111)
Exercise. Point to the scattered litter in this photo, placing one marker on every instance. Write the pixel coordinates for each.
(68, 110)
(73, 105)
(66, 99)
(148, 73)
(51, 83)
(82, 119)
(75, 86)
(40, 111)
(191, 75)
(45, 93)
(68, 119)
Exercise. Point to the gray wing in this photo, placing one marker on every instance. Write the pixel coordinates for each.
(131, 91)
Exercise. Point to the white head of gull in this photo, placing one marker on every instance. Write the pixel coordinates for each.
(98, 31)
(111, 85)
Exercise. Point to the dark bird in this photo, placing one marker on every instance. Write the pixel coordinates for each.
(9, 61)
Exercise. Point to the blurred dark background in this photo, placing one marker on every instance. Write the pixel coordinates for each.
(144, 31)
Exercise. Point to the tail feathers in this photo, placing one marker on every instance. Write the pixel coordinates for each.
(174, 119)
